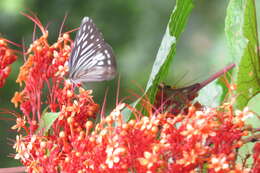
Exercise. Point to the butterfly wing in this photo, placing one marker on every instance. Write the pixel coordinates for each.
(92, 59)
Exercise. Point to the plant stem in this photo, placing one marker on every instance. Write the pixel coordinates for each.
(216, 75)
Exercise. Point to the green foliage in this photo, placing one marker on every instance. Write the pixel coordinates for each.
(242, 36)
(241, 33)
(167, 50)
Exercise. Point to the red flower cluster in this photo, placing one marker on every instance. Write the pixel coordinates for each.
(7, 57)
(148, 144)
(201, 140)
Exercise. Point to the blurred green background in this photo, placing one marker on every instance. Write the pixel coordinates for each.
(134, 28)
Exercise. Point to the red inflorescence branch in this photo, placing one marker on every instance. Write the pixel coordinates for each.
(7, 57)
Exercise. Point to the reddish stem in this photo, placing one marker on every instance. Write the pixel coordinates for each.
(216, 75)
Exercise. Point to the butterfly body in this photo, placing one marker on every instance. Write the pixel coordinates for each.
(92, 59)
(177, 100)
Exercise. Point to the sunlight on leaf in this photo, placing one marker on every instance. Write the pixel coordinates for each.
(210, 95)
(216, 92)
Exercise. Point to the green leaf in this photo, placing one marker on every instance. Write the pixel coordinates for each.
(47, 120)
(214, 93)
(211, 95)
(241, 33)
(166, 52)
(242, 36)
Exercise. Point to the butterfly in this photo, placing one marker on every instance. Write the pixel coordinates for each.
(177, 100)
(91, 59)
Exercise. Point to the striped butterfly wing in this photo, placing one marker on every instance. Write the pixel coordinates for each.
(92, 59)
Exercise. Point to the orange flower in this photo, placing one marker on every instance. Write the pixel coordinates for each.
(17, 98)
(24, 70)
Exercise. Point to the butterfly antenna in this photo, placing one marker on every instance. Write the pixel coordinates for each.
(180, 79)
(216, 75)
(62, 24)
(118, 90)
(102, 113)
(34, 33)
(23, 47)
